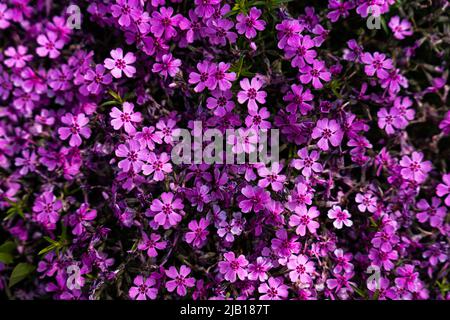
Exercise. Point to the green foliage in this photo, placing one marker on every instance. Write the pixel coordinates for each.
(20, 272)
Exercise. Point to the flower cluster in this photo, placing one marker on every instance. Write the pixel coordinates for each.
(92, 205)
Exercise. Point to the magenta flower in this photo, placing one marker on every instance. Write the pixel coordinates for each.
(414, 168)
(389, 120)
(125, 10)
(50, 45)
(28, 162)
(95, 80)
(221, 102)
(342, 261)
(206, 69)
(18, 58)
(250, 91)
(219, 77)
(143, 289)
(407, 278)
(81, 219)
(254, 198)
(168, 210)
(5, 16)
(157, 165)
(272, 177)
(259, 269)
(148, 137)
(133, 154)
(354, 51)
(300, 52)
(76, 127)
(273, 289)
(307, 162)
(233, 267)
(125, 118)
(328, 131)
(120, 63)
(298, 100)
(167, 66)
(317, 72)
(300, 196)
(444, 189)
(434, 212)
(289, 32)
(180, 280)
(378, 63)
(400, 28)
(163, 23)
(366, 201)
(248, 24)
(301, 268)
(206, 8)
(339, 8)
(340, 217)
(47, 208)
(151, 244)
(303, 219)
(198, 233)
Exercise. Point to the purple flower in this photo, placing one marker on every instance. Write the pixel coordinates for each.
(248, 24)
(5, 16)
(328, 131)
(147, 138)
(206, 8)
(206, 69)
(219, 77)
(125, 10)
(301, 268)
(120, 63)
(233, 267)
(298, 99)
(400, 28)
(18, 58)
(198, 233)
(50, 45)
(163, 23)
(340, 217)
(339, 8)
(254, 198)
(250, 91)
(303, 219)
(95, 80)
(273, 289)
(133, 154)
(167, 66)
(168, 210)
(272, 177)
(151, 244)
(376, 63)
(414, 168)
(221, 102)
(80, 219)
(366, 201)
(180, 280)
(444, 189)
(143, 288)
(47, 207)
(315, 73)
(389, 120)
(258, 270)
(434, 213)
(307, 162)
(157, 165)
(76, 127)
(125, 118)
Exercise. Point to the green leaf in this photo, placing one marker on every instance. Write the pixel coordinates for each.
(6, 258)
(7, 247)
(109, 103)
(20, 272)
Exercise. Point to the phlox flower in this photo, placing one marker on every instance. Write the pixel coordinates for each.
(80, 219)
(47, 208)
(272, 177)
(126, 11)
(254, 198)
(151, 244)
(5, 16)
(301, 268)
(143, 288)
(258, 269)
(366, 201)
(163, 23)
(248, 24)
(168, 210)
(133, 154)
(147, 137)
(76, 127)
(444, 189)
(125, 118)
(221, 102)
(120, 63)
(400, 28)
(167, 66)
(180, 281)
(314, 74)
(376, 63)
(233, 268)
(50, 45)
(414, 167)
(307, 162)
(298, 99)
(303, 219)
(198, 233)
(273, 289)
(328, 131)
(340, 217)
(300, 52)
(157, 165)
(17, 58)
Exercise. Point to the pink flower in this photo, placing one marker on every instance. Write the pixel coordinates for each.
(256, 119)
(378, 63)
(307, 162)
(339, 8)
(250, 92)
(433, 212)
(125, 118)
(94, 80)
(167, 66)
(272, 177)
(274, 289)
(298, 99)
(148, 137)
(254, 198)
(143, 289)
(414, 168)
(198, 233)
(5, 16)
(219, 77)
(248, 24)
(327, 131)
(389, 120)
(300, 52)
(80, 219)
(162, 23)
(340, 217)
(317, 72)
(220, 102)
(206, 8)
(125, 10)
(119, 63)
(157, 165)
(47, 208)
(50, 45)
(233, 267)
(206, 69)
(76, 128)
(301, 267)
(444, 189)
(17, 58)
(366, 202)
(401, 29)
(168, 210)
(303, 219)
(151, 244)
(180, 281)
(133, 155)
(258, 270)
